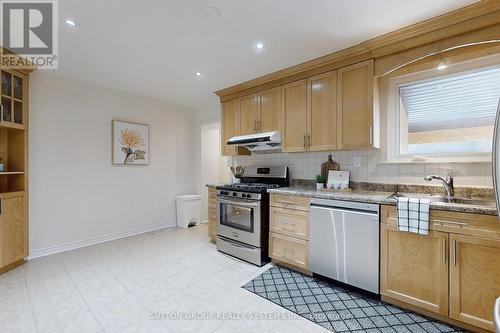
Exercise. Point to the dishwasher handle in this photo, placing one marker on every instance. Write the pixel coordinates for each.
(346, 210)
(348, 205)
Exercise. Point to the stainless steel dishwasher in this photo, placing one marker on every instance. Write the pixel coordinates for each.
(344, 242)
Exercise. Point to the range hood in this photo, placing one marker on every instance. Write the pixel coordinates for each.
(258, 142)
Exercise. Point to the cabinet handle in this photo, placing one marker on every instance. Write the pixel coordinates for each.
(305, 141)
(454, 250)
(371, 134)
(1, 207)
(309, 141)
(443, 250)
(450, 222)
(287, 202)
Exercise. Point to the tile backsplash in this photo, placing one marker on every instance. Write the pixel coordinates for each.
(365, 166)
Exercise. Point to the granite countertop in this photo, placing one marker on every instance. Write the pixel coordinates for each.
(381, 198)
(212, 185)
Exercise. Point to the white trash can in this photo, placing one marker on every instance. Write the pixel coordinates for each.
(188, 210)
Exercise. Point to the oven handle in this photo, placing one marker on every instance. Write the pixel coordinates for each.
(240, 202)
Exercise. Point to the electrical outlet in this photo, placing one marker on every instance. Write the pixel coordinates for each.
(356, 160)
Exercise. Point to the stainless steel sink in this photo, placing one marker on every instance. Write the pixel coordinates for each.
(463, 201)
(445, 199)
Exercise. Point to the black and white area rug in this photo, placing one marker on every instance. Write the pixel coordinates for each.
(337, 308)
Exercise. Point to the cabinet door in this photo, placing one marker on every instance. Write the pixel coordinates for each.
(294, 116)
(322, 111)
(212, 215)
(270, 110)
(249, 114)
(355, 105)
(414, 268)
(474, 279)
(289, 222)
(229, 126)
(13, 229)
(289, 250)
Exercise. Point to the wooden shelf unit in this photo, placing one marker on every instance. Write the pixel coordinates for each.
(14, 157)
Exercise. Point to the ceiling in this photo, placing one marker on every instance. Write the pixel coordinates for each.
(153, 48)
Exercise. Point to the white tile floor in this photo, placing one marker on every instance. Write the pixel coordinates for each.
(148, 283)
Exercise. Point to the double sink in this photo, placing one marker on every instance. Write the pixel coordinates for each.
(445, 199)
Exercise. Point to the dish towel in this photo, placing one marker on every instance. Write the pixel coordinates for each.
(413, 215)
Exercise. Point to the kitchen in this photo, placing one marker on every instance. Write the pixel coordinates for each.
(278, 168)
(403, 220)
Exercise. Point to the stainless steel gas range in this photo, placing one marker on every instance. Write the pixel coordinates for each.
(243, 213)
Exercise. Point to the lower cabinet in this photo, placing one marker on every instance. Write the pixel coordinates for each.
(289, 250)
(414, 268)
(454, 271)
(289, 230)
(474, 279)
(13, 228)
(212, 214)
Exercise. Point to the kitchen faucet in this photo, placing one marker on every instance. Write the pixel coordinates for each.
(447, 183)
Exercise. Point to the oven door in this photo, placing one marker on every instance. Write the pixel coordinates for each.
(239, 219)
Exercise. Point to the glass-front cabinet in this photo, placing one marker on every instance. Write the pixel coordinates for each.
(13, 92)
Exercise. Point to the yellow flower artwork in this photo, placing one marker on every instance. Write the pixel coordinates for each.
(130, 143)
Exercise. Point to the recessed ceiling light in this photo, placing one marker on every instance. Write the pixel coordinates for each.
(260, 45)
(70, 22)
(198, 74)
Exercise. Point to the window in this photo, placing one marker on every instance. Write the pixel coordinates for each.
(448, 115)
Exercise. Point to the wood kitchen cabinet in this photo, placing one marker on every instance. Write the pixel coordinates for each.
(14, 156)
(294, 135)
(310, 114)
(270, 111)
(212, 214)
(13, 229)
(357, 106)
(249, 114)
(289, 231)
(454, 272)
(230, 126)
(260, 112)
(414, 268)
(322, 119)
(474, 279)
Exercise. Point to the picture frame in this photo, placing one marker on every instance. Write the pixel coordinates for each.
(130, 143)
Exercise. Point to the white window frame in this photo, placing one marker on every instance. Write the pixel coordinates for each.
(393, 128)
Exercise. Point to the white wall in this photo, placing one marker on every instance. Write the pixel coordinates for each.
(75, 193)
(210, 159)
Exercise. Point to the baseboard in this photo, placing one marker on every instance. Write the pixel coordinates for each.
(96, 240)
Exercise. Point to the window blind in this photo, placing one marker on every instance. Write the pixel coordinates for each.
(465, 100)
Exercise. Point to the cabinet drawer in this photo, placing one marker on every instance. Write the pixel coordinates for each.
(453, 222)
(290, 222)
(290, 201)
(289, 250)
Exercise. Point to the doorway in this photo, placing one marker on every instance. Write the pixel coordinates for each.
(214, 167)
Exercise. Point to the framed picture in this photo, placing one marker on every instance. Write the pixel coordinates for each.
(130, 143)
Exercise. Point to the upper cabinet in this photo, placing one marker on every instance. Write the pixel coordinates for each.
(249, 114)
(270, 102)
(294, 132)
(322, 112)
(328, 111)
(12, 107)
(229, 126)
(260, 112)
(356, 89)
(310, 114)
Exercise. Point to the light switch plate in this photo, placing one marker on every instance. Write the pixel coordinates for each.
(356, 160)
